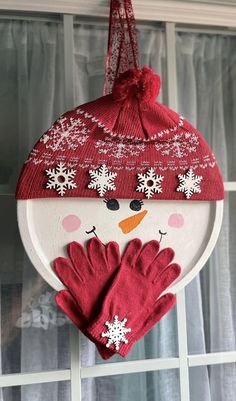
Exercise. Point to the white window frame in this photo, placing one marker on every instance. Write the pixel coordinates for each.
(170, 13)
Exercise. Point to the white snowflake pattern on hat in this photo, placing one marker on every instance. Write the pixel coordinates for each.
(119, 149)
(180, 145)
(66, 134)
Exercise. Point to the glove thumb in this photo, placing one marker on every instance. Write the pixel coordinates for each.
(161, 308)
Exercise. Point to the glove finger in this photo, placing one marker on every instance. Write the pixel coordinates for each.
(131, 253)
(97, 254)
(168, 276)
(79, 258)
(67, 275)
(163, 259)
(113, 255)
(161, 308)
(147, 256)
(68, 305)
(146, 321)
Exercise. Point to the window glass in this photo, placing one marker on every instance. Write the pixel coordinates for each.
(206, 71)
(216, 382)
(150, 386)
(31, 90)
(41, 392)
(34, 332)
(211, 319)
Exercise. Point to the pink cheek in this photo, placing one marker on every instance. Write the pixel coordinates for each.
(176, 220)
(71, 223)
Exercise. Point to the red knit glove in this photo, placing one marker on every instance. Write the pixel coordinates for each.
(87, 278)
(132, 307)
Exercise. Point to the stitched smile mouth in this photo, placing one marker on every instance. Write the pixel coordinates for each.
(161, 234)
(93, 231)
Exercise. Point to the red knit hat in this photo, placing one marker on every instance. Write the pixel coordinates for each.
(123, 145)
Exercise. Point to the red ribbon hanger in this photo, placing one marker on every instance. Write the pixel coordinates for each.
(122, 51)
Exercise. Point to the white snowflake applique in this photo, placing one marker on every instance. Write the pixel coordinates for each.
(149, 183)
(66, 134)
(189, 183)
(61, 179)
(102, 180)
(116, 332)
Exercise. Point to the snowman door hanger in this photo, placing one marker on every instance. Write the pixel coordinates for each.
(120, 188)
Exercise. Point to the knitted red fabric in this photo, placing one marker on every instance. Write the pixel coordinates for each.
(123, 145)
(87, 277)
(69, 306)
(132, 305)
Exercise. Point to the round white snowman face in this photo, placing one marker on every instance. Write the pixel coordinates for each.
(191, 228)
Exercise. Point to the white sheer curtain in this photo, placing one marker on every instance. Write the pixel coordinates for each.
(207, 88)
(34, 334)
(31, 98)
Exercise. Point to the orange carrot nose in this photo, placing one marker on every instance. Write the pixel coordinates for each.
(132, 222)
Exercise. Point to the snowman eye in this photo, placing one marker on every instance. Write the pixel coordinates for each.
(112, 204)
(136, 205)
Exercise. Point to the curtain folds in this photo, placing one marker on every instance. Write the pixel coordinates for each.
(31, 98)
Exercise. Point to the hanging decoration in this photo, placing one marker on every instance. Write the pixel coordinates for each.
(120, 201)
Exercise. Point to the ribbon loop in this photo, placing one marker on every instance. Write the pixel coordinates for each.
(122, 52)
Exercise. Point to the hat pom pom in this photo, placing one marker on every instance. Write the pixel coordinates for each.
(143, 84)
(150, 84)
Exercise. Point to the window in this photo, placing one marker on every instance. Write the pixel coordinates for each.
(48, 63)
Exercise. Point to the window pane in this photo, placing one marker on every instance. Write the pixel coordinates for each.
(41, 392)
(211, 315)
(150, 386)
(213, 383)
(34, 332)
(31, 90)
(206, 72)
(207, 95)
